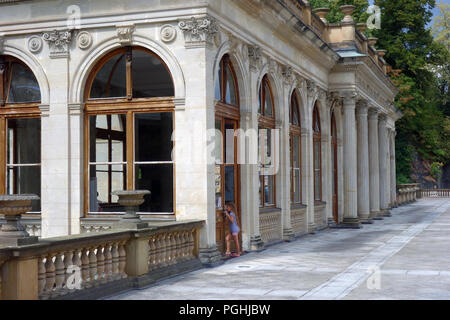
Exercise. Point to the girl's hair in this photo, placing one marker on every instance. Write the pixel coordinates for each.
(231, 205)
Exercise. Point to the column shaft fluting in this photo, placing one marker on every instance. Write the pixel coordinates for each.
(363, 163)
(374, 164)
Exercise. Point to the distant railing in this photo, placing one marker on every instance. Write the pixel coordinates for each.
(97, 264)
(435, 193)
(407, 193)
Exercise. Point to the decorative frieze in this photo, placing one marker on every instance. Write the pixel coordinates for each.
(84, 40)
(168, 33)
(58, 42)
(35, 44)
(125, 34)
(199, 32)
(312, 88)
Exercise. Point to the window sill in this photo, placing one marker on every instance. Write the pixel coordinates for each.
(298, 206)
(267, 210)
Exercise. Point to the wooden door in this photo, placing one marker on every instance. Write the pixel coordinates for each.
(227, 181)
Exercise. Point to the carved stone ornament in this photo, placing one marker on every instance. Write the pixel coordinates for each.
(254, 57)
(2, 41)
(312, 88)
(125, 34)
(84, 40)
(168, 33)
(288, 74)
(35, 44)
(199, 32)
(58, 42)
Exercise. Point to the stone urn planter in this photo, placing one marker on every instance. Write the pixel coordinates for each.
(13, 233)
(381, 53)
(322, 13)
(372, 41)
(131, 200)
(347, 10)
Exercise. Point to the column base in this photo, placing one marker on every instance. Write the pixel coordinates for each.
(331, 222)
(312, 227)
(288, 235)
(386, 213)
(210, 257)
(375, 215)
(366, 220)
(256, 244)
(351, 223)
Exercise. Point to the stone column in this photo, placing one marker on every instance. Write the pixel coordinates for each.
(374, 165)
(384, 166)
(393, 171)
(363, 163)
(350, 162)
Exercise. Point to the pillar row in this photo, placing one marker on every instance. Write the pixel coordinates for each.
(363, 163)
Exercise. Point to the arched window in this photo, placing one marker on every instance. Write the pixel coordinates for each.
(266, 124)
(296, 153)
(129, 125)
(20, 130)
(226, 89)
(317, 146)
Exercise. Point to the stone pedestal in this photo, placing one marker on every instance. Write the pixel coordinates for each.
(13, 233)
(131, 200)
(256, 244)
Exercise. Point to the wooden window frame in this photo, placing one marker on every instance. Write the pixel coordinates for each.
(266, 122)
(317, 137)
(295, 131)
(11, 111)
(128, 106)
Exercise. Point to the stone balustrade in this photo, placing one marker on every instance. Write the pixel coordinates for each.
(270, 225)
(407, 193)
(435, 193)
(97, 264)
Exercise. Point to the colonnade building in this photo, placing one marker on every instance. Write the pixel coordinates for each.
(261, 103)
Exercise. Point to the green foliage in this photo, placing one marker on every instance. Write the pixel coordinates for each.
(441, 25)
(436, 170)
(336, 15)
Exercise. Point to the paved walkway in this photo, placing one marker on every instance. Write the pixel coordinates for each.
(406, 256)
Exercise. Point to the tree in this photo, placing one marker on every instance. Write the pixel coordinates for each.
(441, 25)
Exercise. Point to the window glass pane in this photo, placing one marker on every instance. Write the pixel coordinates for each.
(150, 76)
(218, 184)
(229, 184)
(105, 179)
(24, 141)
(107, 138)
(317, 185)
(159, 180)
(153, 136)
(295, 112)
(316, 155)
(229, 143)
(24, 86)
(110, 81)
(296, 150)
(25, 180)
(260, 191)
(268, 190)
(231, 97)
(268, 108)
(296, 186)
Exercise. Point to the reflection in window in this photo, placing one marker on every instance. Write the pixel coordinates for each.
(265, 98)
(24, 158)
(226, 86)
(295, 131)
(132, 73)
(317, 150)
(107, 161)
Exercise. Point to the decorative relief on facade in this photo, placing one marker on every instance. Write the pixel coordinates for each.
(288, 75)
(84, 40)
(254, 57)
(35, 44)
(58, 42)
(168, 33)
(312, 88)
(199, 32)
(125, 34)
(2, 42)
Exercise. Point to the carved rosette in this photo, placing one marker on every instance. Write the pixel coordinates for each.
(254, 57)
(125, 34)
(58, 42)
(35, 44)
(199, 32)
(168, 33)
(84, 40)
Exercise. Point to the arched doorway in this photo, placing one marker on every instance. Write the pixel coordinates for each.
(227, 172)
(334, 168)
(20, 130)
(129, 121)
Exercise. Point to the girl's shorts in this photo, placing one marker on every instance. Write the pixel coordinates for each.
(234, 234)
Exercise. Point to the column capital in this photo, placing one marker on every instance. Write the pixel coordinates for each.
(382, 118)
(373, 114)
(349, 99)
(362, 107)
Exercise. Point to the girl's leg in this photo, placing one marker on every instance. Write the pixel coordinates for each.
(236, 241)
(227, 239)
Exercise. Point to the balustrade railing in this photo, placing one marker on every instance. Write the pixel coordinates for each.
(68, 267)
(407, 193)
(435, 193)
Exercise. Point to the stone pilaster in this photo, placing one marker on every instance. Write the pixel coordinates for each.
(384, 165)
(350, 162)
(363, 163)
(374, 165)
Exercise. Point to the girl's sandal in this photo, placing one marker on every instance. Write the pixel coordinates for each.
(228, 254)
(235, 255)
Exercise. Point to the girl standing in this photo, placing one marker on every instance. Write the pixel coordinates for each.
(230, 212)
